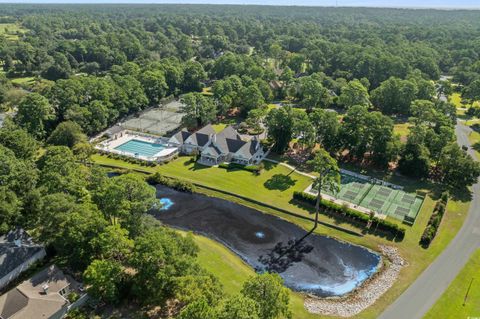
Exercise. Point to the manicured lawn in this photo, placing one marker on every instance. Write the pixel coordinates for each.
(219, 127)
(451, 304)
(474, 139)
(276, 185)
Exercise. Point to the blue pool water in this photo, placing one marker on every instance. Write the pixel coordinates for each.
(142, 148)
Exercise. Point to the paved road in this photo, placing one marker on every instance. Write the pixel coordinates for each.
(431, 284)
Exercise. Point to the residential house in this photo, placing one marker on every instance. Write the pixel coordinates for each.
(215, 148)
(17, 253)
(45, 296)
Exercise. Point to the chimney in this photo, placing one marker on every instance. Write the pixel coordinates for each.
(45, 289)
(214, 138)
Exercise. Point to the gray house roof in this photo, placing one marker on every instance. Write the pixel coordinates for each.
(180, 137)
(16, 247)
(30, 299)
(201, 137)
(248, 149)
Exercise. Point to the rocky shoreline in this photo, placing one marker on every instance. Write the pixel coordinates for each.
(364, 296)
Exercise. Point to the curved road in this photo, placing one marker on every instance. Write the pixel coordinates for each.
(430, 285)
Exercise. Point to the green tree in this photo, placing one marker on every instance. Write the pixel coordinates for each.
(394, 96)
(160, 255)
(458, 168)
(103, 279)
(354, 93)
(18, 140)
(67, 134)
(193, 76)
(34, 114)
(268, 292)
(250, 97)
(199, 110)
(154, 84)
(9, 210)
(327, 128)
(59, 172)
(113, 244)
(239, 307)
(328, 176)
(199, 309)
(125, 199)
(280, 123)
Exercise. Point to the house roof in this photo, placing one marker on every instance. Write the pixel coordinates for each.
(248, 150)
(16, 247)
(230, 133)
(202, 136)
(29, 300)
(180, 137)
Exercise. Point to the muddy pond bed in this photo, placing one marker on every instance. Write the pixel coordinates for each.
(329, 268)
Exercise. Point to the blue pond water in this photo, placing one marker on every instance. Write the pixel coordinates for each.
(331, 268)
(166, 203)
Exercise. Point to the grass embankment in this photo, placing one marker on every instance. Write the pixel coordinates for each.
(275, 186)
(232, 271)
(451, 303)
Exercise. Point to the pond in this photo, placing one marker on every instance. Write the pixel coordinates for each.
(326, 267)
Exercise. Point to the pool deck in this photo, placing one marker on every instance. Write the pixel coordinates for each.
(110, 146)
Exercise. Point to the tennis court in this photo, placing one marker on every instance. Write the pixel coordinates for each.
(159, 121)
(381, 199)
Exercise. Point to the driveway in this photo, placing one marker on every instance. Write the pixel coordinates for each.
(430, 285)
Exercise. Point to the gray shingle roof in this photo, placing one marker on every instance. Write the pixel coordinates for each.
(16, 247)
(180, 137)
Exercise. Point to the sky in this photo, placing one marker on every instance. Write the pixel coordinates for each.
(470, 4)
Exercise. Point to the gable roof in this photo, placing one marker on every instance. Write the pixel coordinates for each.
(248, 150)
(180, 137)
(201, 137)
(29, 300)
(230, 133)
(16, 247)
(207, 129)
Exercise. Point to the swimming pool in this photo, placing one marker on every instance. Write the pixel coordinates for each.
(142, 148)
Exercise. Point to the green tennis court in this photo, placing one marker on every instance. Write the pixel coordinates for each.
(381, 199)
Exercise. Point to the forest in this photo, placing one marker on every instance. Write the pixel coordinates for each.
(344, 78)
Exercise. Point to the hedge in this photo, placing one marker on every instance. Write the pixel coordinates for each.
(434, 222)
(354, 215)
(175, 183)
(251, 168)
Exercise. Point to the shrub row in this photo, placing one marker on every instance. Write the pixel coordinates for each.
(434, 221)
(128, 159)
(251, 168)
(354, 215)
(175, 183)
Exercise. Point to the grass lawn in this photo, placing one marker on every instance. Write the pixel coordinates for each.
(276, 185)
(450, 305)
(219, 127)
(207, 91)
(402, 129)
(456, 99)
(474, 139)
(25, 81)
